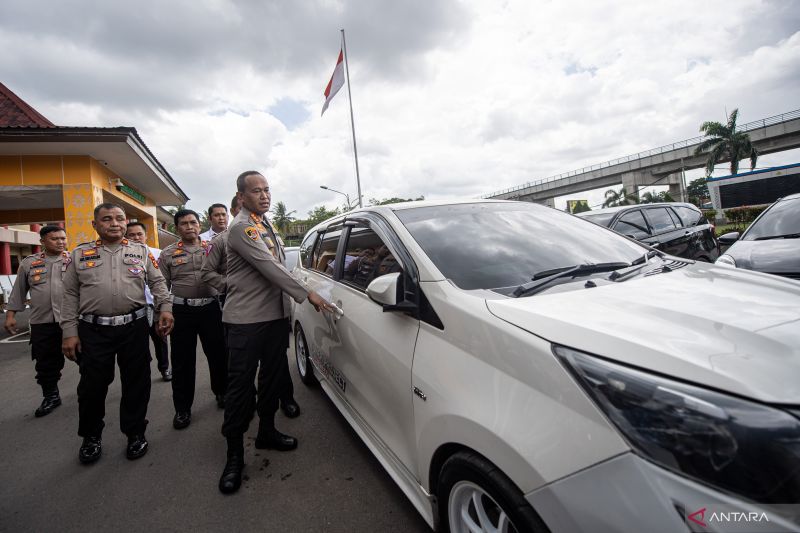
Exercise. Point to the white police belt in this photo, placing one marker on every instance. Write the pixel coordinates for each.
(119, 320)
(193, 302)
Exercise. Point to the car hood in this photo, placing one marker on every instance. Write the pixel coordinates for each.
(776, 255)
(729, 329)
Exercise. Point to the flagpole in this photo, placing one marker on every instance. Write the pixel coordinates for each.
(352, 122)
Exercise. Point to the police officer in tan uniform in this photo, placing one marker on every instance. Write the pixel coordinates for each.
(41, 275)
(213, 272)
(197, 313)
(256, 318)
(103, 317)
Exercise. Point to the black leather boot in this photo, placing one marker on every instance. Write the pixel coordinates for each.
(231, 478)
(50, 401)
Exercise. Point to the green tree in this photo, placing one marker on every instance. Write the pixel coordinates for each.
(393, 200)
(282, 217)
(621, 197)
(724, 141)
(652, 198)
(697, 191)
(318, 214)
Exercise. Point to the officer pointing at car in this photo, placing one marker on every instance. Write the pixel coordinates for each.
(256, 318)
(41, 274)
(103, 318)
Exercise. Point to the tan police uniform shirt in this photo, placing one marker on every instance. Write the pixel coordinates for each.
(181, 264)
(257, 281)
(41, 274)
(215, 264)
(109, 281)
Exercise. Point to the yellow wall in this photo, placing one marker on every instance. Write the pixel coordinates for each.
(85, 183)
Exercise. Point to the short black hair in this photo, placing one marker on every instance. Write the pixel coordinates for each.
(49, 229)
(136, 223)
(234, 202)
(106, 205)
(214, 206)
(243, 176)
(184, 213)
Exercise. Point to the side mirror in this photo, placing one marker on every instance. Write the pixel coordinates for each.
(384, 289)
(729, 238)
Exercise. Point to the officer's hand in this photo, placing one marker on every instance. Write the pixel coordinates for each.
(11, 323)
(320, 303)
(165, 323)
(70, 347)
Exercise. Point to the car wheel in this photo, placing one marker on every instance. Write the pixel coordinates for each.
(301, 355)
(475, 496)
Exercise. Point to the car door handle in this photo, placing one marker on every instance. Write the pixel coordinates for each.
(338, 312)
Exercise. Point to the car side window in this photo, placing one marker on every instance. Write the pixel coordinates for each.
(675, 218)
(633, 225)
(366, 257)
(659, 219)
(689, 216)
(307, 247)
(325, 252)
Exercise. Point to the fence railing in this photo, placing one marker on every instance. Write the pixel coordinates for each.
(750, 126)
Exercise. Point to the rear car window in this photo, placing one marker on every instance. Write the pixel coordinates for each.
(325, 251)
(633, 225)
(660, 219)
(689, 216)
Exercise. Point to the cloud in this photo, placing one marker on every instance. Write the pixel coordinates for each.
(451, 98)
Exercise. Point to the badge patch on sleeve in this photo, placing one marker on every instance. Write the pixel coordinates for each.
(252, 232)
(135, 271)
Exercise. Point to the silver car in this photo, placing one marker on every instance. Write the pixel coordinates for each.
(771, 243)
(515, 368)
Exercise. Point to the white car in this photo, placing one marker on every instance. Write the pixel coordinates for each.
(516, 368)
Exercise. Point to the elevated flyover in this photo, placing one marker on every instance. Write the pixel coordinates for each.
(659, 166)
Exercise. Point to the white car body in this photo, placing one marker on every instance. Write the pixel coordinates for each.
(488, 381)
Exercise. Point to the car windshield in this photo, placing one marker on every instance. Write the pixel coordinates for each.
(781, 220)
(500, 245)
(604, 219)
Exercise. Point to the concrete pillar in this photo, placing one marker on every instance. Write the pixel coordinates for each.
(631, 182)
(5, 256)
(79, 203)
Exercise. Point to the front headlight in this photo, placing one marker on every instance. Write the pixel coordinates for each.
(734, 444)
(725, 259)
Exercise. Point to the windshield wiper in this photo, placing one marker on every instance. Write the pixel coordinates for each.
(785, 236)
(542, 279)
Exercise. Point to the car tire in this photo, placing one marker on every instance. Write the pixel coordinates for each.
(467, 475)
(301, 356)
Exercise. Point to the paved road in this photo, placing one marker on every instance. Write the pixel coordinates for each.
(330, 483)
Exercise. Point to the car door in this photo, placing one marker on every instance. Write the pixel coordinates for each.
(375, 349)
(317, 273)
(667, 231)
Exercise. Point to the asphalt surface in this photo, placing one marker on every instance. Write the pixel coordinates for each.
(330, 483)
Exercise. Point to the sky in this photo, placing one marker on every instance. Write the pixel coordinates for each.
(451, 98)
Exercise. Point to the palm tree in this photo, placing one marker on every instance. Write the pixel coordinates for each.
(621, 197)
(654, 198)
(282, 217)
(724, 141)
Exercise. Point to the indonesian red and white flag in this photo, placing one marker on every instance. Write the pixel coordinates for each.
(337, 80)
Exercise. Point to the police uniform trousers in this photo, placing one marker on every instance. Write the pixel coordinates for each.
(251, 345)
(46, 351)
(99, 346)
(190, 322)
(160, 346)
